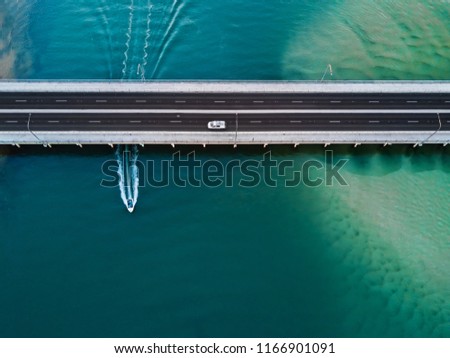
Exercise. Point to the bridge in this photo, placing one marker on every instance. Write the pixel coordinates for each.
(164, 112)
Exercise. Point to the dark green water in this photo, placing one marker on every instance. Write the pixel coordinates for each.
(367, 260)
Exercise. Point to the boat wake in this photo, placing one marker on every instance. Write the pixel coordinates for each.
(128, 35)
(142, 66)
(138, 36)
(171, 31)
(129, 175)
(146, 40)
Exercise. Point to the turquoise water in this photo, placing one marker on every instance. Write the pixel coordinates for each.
(231, 39)
(367, 260)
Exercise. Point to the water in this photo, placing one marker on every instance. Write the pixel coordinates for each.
(367, 260)
(233, 40)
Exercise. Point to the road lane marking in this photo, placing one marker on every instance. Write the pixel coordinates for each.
(296, 121)
(61, 100)
(255, 122)
(95, 121)
(226, 111)
(101, 100)
(135, 121)
(21, 101)
(11, 121)
(374, 121)
(413, 121)
(53, 121)
(141, 101)
(176, 121)
(374, 102)
(335, 101)
(335, 122)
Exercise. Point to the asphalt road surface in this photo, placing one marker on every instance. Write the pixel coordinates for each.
(241, 112)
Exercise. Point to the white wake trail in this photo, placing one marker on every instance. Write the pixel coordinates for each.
(127, 44)
(172, 8)
(120, 171)
(128, 173)
(168, 35)
(146, 41)
(135, 173)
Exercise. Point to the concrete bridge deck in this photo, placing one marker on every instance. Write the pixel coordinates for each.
(36, 112)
